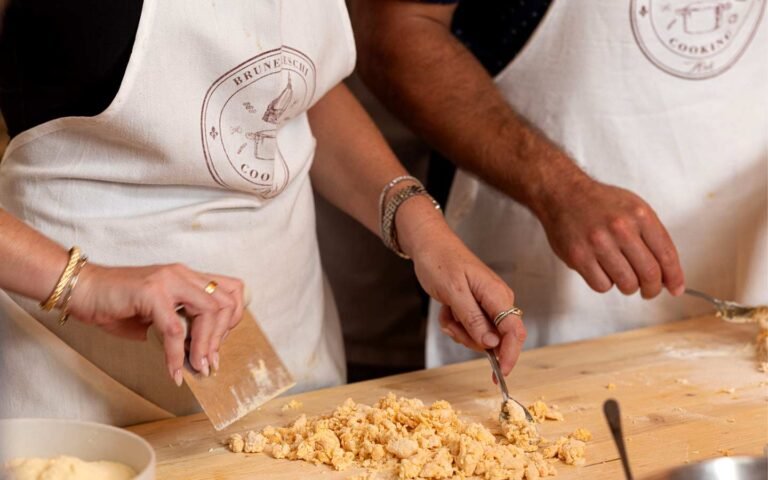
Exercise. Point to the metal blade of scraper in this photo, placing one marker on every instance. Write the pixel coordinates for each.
(250, 374)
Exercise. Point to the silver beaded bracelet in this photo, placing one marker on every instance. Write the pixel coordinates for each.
(388, 230)
(389, 186)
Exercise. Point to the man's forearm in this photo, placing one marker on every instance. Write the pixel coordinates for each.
(443, 93)
(409, 57)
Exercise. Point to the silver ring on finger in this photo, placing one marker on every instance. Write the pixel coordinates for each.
(512, 311)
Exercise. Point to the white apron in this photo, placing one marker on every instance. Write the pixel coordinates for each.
(202, 158)
(668, 99)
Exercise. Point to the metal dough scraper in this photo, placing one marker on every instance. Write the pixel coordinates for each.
(251, 374)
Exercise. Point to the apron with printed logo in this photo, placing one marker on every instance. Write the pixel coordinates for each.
(202, 158)
(666, 98)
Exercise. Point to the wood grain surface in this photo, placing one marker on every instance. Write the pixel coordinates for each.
(672, 382)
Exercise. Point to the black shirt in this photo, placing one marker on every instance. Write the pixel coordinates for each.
(495, 30)
(67, 58)
(63, 58)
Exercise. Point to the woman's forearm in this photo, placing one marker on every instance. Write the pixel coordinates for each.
(125, 300)
(352, 165)
(353, 161)
(31, 263)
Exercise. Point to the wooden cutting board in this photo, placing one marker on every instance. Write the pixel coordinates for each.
(672, 381)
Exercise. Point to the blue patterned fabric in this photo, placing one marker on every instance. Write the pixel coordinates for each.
(495, 30)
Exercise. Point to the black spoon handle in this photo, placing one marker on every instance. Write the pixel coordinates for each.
(612, 414)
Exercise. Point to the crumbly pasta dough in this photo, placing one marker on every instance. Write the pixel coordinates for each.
(404, 438)
(65, 468)
(757, 315)
(541, 411)
(292, 405)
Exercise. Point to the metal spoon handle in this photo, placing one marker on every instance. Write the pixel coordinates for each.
(612, 414)
(729, 311)
(696, 293)
(503, 385)
(499, 377)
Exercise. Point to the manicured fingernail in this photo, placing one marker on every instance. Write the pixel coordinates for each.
(215, 361)
(177, 377)
(448, 332)
(491, 340)
(204, 368)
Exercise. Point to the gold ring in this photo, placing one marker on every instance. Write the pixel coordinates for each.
(211, 287)
(512, 311)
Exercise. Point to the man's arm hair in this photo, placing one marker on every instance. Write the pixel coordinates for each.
(411, 60)
(414, 64)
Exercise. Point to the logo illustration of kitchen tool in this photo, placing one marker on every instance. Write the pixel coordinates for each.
(695, 39)
(241, 116)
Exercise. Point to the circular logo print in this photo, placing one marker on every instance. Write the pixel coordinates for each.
(241, 116)
(695, 39)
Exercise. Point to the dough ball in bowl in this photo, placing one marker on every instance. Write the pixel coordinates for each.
(59, 446)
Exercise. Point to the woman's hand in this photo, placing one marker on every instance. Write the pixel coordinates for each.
(471, 294)
(352, 164)
(126, 300)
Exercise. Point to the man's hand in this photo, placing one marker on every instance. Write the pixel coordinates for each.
(611, 236)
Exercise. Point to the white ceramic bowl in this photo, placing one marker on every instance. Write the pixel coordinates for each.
(722, 468)
(46, 438)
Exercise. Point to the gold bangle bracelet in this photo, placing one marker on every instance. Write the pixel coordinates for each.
(66, 275)
(64, 305)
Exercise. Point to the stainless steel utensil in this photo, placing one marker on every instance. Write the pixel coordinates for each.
(723, 468)
(503, 413)
(613, 416)
(729, 311)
